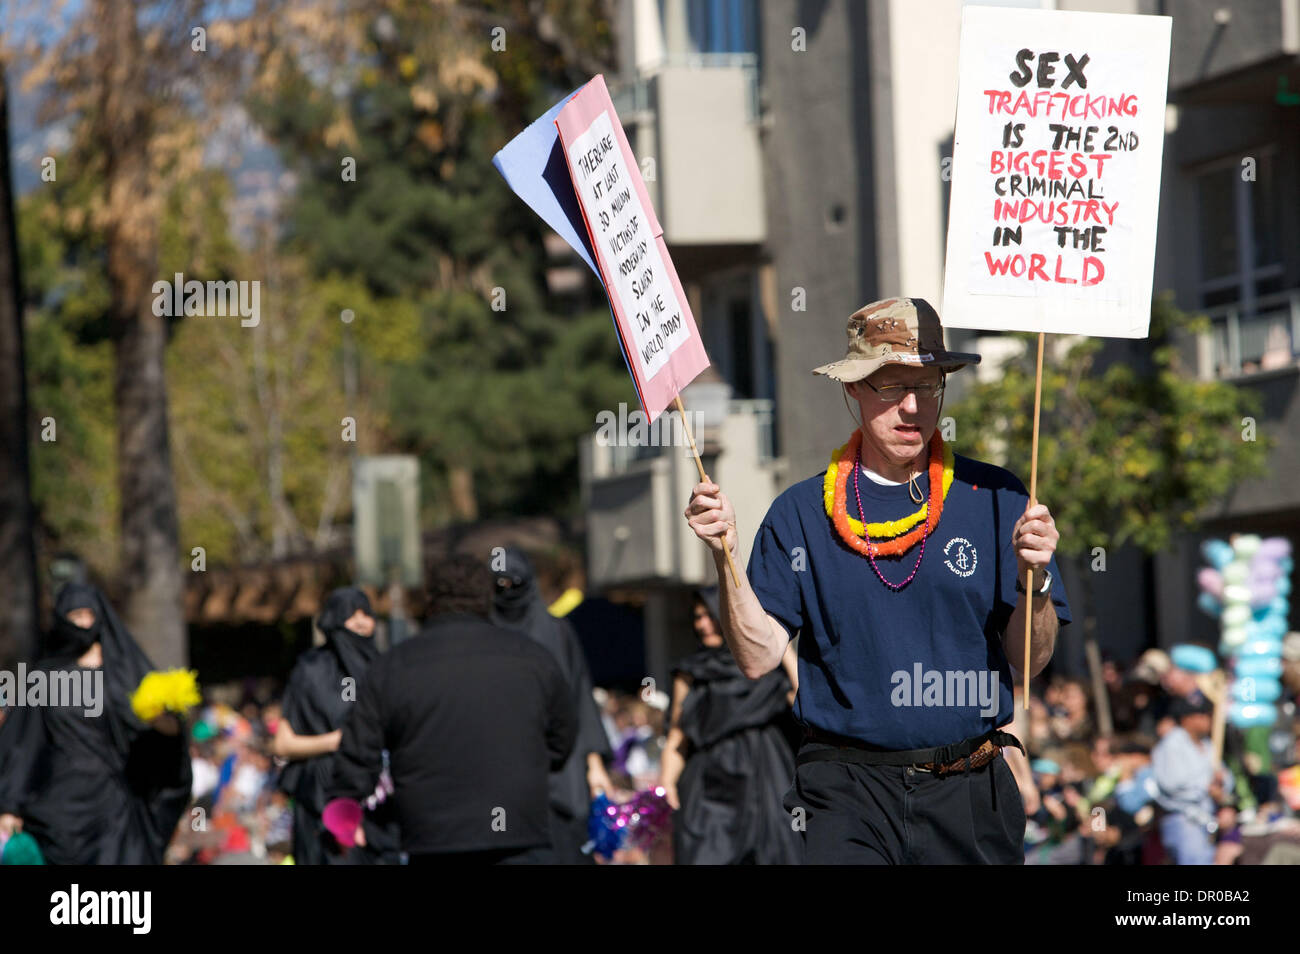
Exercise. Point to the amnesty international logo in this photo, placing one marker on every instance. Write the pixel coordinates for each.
(960, 556)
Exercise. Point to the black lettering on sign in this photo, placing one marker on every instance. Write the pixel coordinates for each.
(1023, 73)
(671, 326)
(619, 240)
(1076, 71)
(642, 283)
(652, 347)
(1120, 142)
(1046, 70)
(628, 265)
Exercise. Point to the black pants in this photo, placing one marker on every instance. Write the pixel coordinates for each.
(893, 814)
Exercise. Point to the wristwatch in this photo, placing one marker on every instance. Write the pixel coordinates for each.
(1042, 590)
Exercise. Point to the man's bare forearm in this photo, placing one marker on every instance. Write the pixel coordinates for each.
(755, 639)
(1043, 640)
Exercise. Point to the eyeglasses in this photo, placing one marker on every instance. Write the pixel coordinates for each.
(893, 393)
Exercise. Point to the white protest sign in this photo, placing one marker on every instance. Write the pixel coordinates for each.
(650, 308)
(620, 224)
(1056, 171)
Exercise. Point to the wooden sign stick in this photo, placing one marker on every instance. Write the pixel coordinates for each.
(735, 577)
(1033, 501)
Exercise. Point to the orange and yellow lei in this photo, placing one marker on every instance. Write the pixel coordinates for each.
(852, 531)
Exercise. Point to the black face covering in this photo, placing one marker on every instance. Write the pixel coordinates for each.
(124, 663)
(355, 652)
(512, 603)
(67, 638)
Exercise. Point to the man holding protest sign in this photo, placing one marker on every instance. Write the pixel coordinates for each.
(905, 662)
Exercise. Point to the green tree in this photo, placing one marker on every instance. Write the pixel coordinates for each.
(393, 150)
(1127, 454)
(262, 462)
(70, 372)
(126, 78)
(255, 412)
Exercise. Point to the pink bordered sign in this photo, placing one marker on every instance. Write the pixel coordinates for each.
(650, 309)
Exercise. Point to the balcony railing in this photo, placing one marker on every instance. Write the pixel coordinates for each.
(632, 494)
(622, 457)
(633, 99)
(1242, 343)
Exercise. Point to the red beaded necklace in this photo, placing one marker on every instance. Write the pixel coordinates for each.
(871, 555)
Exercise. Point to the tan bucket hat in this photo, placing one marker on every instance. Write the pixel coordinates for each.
(897, 330)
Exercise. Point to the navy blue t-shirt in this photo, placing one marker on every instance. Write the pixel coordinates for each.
(911, 669)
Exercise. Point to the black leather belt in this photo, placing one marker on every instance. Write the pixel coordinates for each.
(843, 749)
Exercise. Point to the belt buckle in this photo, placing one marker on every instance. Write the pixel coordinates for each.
(922, 767)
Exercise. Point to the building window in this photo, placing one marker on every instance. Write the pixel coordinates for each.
(1255, 325)
(1241, 255)
(722, 26)
(735, 334)
(740, 316)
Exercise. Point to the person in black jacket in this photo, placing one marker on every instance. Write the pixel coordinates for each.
(474, 718)
(518, 605)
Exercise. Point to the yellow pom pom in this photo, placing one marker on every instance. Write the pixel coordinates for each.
(567, 603)
(175, 690)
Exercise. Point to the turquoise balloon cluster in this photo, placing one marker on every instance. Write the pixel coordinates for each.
(1247, 588)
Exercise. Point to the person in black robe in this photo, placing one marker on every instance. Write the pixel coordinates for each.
(101, 788)
(729, 758)
(317, 700)
(518, 605)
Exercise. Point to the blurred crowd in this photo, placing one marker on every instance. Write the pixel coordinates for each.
(1117, 798)
(239, 815)
(1094, 798)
